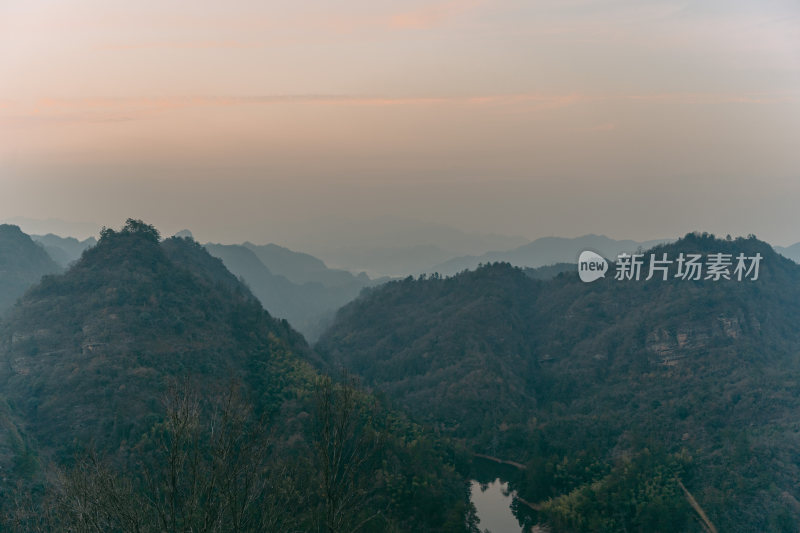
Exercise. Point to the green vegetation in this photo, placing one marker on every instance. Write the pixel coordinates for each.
(641, 494)
(611, 392)
(148, 390)
(442, 346)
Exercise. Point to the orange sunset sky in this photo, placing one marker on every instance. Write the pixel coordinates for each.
(246, 120)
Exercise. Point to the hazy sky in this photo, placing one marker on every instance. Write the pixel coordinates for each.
(246, 120)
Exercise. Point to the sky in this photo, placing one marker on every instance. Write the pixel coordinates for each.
(259, 120)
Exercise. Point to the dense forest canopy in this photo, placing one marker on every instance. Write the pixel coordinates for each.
(146, 389)
(613, 393)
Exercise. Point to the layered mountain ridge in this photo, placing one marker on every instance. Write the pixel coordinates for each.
(22, 263)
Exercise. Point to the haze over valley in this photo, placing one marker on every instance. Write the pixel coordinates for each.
(429, 266)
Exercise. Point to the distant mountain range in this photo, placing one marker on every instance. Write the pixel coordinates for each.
(57, 226)
(302, 268)
(303, 289)
(291, 285)
(385, 245)
(792, 252)
(22, 263)
(546, 251)
(64, 250)
(392, 246)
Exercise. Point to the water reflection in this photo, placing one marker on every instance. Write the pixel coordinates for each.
(493, 504)
(499, 510)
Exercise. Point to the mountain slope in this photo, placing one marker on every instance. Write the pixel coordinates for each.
(64, 250)
(87, 359)
(792, 252)
(107, 334)
(302, 268)
(308, 306)
(609, 391)
(22, 263)
(451, 349)
(390, 245)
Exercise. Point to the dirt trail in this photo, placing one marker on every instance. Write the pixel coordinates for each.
(699, 510)
(515, 464)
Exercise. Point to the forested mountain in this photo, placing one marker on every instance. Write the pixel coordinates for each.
(64, 250)
(546, 251)
(22, 263)
(452, 349)
(146, 389)
(615, 394)
(307, 305)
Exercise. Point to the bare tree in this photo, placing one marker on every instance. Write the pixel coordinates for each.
(87, 498)
(217, 476)
(206, 468)
(345, 444)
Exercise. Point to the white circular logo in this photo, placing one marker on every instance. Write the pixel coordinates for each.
(591, 266)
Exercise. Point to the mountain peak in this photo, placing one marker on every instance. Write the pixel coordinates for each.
(133, 227)
(131, 312)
